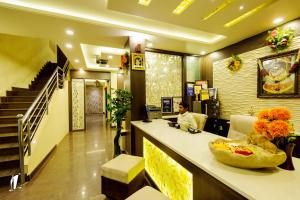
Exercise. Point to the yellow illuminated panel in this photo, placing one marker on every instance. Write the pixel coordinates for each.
(219, 8)
(170, 177)
(145, 2)
(248, 14)
(182, 6)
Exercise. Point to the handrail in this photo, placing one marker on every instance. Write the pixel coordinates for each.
(37, 110)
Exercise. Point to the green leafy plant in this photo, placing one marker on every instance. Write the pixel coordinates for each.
(279, 39)
(118, 105)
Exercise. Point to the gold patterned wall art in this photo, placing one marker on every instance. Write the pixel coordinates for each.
(172, 179)
(163, 77)
(78, 104)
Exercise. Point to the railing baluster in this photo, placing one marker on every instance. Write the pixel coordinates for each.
(21, 147)
(57, 80)
(29, 138)
(47, 100)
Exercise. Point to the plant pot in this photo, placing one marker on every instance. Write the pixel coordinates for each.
(288, 164)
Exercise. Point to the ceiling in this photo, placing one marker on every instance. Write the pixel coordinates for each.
(108, 23)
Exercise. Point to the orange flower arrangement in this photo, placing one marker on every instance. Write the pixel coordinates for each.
(274, 123)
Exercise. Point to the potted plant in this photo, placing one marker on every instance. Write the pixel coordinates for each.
(118, 105)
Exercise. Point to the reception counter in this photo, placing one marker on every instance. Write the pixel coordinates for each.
(210, 179)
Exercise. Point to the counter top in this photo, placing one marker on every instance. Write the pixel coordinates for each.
(261, 184)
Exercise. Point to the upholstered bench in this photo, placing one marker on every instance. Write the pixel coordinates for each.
(122, 176)
(147, 193)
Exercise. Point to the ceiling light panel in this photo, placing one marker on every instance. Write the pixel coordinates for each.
(145, 2)
(249, 13)
(182, 6)
(218, 9)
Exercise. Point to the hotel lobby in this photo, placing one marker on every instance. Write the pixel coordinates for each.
(149, 99)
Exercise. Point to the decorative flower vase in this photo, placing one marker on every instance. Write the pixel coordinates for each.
(288, 164)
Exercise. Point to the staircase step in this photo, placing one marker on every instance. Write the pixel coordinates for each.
(9, 146)
(12, 119)
(19, 89)
(12, 111)
(4, 135)
(7, 158)
(8, 172)
(18, 98)
(8, 128)
(23, 93)
(9, 105)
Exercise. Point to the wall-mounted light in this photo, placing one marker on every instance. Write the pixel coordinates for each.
(203, 53)
(110, 57)
(81, 70)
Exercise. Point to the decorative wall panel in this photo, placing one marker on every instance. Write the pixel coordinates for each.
(192, 68)
(238, 90)
(78, 104)
(94, 100)
(163, 77)
(171, 178)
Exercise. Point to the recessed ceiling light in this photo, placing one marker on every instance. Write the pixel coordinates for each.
(76, 60)
(145, 2)
(110, 57)
(69, 46)
(182, 6)
(149, 45)
(69, 32)
(241, 7)
(203, 52)
(278, 20)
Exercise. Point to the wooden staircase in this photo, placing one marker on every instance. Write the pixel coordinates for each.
(17, 101)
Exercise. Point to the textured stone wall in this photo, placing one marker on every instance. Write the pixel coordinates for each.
(238, 90)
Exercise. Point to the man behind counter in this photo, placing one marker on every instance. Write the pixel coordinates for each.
(185, 119)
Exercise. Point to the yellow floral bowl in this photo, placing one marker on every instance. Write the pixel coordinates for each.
(240, 154)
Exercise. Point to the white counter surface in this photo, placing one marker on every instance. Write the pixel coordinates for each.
(252, 184)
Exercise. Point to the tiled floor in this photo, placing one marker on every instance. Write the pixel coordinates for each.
(73, 170)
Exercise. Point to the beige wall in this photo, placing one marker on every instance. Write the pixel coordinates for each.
(52, 129)
(21, 59)
(238, 90)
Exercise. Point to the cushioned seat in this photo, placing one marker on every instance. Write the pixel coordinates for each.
(240, 126)
(122, 176)
(123, 168)
(147, 193)
(200, 120)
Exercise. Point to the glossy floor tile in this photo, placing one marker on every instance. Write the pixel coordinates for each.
(73, 170)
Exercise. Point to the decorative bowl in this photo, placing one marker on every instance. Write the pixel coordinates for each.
(240, 154)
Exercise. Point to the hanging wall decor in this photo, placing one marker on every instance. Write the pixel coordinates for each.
(279, 39)
(274, 77)
(235, 63)
(137, 61)
(125, 61)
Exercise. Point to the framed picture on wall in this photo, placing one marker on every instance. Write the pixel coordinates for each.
(138, 61)
(276, 78)
(166, 105)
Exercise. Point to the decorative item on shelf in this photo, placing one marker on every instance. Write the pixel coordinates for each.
(235, 63)
(138, 60)
(275, 79)
(274, 131)
(97, 83)
(279, 38)
(125, 62)
(138, 48)
(118, 105)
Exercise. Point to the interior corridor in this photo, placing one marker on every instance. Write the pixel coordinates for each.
(73, 170)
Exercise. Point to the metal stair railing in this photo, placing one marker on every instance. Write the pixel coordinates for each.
(28, 124)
